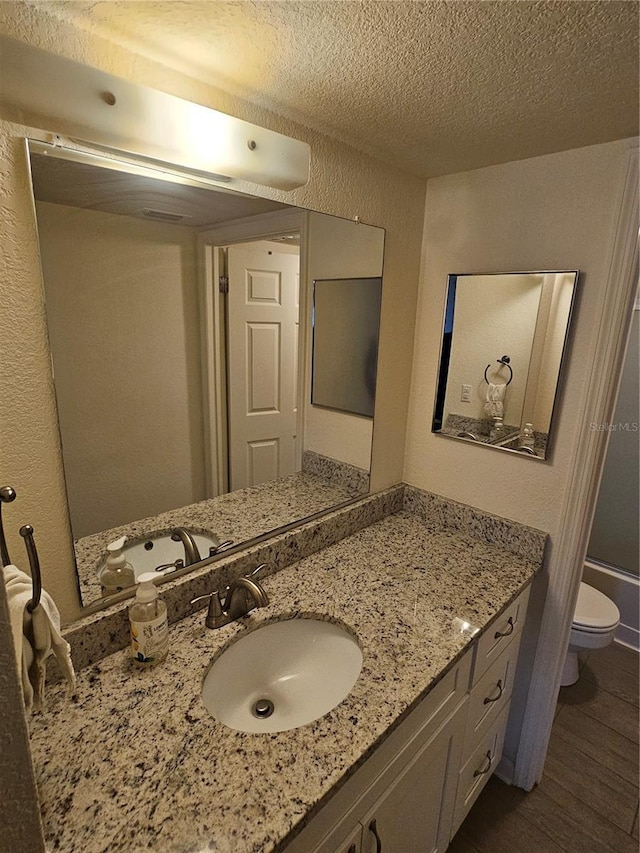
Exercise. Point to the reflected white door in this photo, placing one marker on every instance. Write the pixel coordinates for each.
(263, 309)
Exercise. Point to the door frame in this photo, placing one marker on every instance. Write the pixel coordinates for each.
(213, 330)
(567, 559)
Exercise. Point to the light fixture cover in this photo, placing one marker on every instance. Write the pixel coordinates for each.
(113, 112)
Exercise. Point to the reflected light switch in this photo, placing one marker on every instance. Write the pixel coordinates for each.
(465, 395)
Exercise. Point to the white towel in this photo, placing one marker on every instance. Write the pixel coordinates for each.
(495, 395)
(36, 636)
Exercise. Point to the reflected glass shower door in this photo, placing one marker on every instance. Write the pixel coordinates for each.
(615, 533)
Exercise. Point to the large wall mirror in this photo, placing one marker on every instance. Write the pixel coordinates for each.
(179, 318)
(503, 341)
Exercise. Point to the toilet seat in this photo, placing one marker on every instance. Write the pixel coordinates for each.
(595, 613)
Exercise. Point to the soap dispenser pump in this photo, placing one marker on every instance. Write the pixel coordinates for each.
(116, 574)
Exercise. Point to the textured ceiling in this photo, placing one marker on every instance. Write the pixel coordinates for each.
(435, 87)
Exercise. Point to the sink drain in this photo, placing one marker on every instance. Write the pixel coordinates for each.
(262, 709)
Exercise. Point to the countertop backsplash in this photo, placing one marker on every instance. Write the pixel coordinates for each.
(100, 634)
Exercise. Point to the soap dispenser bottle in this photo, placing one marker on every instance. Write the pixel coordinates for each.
(149, 627)
(527, 439)
(497, 429)
(116, 574)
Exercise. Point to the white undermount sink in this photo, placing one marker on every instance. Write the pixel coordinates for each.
(160, 550)
(282, 676)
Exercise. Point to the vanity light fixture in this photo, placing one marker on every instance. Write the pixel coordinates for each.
(51, 92)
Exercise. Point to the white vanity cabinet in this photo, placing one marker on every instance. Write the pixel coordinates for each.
(415, 811)
(496, 658)
(407, 786)
(415, 790)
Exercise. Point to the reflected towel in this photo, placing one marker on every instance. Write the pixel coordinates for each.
(495, 395)
(36, 636)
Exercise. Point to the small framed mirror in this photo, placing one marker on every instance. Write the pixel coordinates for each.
(346, 322)
(503, 342)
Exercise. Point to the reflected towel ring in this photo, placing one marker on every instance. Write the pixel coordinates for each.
(504, 360)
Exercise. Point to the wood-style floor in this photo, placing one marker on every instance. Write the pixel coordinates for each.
(587, 801)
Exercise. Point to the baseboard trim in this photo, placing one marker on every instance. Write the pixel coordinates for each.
(628, 637)
(505, 770)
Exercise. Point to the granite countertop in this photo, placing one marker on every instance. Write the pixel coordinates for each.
(240, 516)
(136, 762)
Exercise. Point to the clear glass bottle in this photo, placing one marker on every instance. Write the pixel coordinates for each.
(116, 574)
(149, 626)
(497, 430)
(527, 438)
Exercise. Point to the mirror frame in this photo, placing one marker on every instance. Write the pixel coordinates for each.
(443, 363)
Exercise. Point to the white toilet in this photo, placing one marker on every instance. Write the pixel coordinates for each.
(594, 625)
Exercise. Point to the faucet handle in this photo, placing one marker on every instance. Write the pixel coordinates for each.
(256, 570)
(215, 614)
(217, 549)
(207, 595)
(251, 576)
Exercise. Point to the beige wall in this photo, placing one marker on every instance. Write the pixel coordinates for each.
(494, 316)
(122, 313)
(550, 354)
(19, 813)
(559, 211)
(556, 211)
(339, 249)
(343, 182)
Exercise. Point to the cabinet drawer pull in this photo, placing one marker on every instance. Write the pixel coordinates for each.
(495, 698)
(486, 769)
(373, 828)
(506, 633)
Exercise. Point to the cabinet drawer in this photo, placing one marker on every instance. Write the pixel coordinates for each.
(478, 769)
(498, 636)
(491, 695)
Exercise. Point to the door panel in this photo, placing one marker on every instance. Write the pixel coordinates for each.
(263, 460)
(262, 364)
(415, 812)
(263, 368)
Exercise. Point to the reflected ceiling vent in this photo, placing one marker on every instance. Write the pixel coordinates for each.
(162, 215)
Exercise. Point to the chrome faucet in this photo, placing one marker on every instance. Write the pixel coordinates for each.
(243, 596)
(191, 553)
